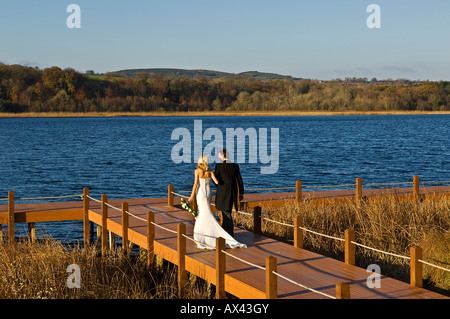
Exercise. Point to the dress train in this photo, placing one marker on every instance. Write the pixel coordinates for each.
(206, 228)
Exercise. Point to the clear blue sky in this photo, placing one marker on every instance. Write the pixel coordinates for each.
(320, 39)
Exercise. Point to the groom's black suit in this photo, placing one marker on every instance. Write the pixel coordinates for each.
(229, 178)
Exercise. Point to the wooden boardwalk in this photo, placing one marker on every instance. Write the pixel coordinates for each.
(241, 279)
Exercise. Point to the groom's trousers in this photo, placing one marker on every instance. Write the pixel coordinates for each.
(227, 222)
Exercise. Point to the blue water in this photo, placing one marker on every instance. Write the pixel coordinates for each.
(130, 157)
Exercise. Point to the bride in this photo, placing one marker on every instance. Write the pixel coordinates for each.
(206, 228)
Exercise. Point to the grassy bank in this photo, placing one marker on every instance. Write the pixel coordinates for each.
(211, 113)
(39, 271)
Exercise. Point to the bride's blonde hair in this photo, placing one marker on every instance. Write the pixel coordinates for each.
(203, 163)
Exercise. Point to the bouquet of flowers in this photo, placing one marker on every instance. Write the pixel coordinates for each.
(185, 205)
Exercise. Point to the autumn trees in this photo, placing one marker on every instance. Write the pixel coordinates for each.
(26, 89)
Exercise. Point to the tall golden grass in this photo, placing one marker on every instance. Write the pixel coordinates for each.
(389, 223)
(39, 271)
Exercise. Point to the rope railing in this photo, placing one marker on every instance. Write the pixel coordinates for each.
(357, 244)
(358, 187)
(94, 199)
(433, 265)
(336, 186)
(320, 234)
(329, 186)
(380, 251)
(47, 197)
(242, 260)
(384, 184)
(277, 274)
(179, 195)
(436, 182)
(268, 188)
(304, 287)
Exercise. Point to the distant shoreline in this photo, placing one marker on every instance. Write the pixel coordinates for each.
(212, 113)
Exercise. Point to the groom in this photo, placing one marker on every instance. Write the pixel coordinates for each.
(229, 178)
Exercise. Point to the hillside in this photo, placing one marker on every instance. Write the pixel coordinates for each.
(196, 74)
(27, 89)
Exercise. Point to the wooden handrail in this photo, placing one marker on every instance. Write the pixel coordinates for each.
(298, 232)
(150, 238)
(350, 248)
(298, 191)
(125, 225)
(11, 218)
(104, 235)
(170, 197)
(181, 253)
(220, 268)
(86, 221)
(257, 220)
(416, 267)
(271, 278)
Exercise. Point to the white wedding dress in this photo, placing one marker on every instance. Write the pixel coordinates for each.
(206, 228)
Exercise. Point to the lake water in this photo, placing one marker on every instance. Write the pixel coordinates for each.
(131, 157)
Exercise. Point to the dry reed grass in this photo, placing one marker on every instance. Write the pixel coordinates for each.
(389, 223)
(38, 271)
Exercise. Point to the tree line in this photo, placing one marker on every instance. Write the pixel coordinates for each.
(28, 89)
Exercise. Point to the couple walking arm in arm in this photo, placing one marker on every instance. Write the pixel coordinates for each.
(228, 180)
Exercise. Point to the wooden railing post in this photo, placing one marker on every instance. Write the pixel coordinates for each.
(11, 218)
(298, 232)
(181, 245)
(112, 241)
(416, 267)
(349, 247)
(416, 193)
(257, 220)
(298, 191)
(342, 291)
(220, 268)
(86, 233)
(104, 225)
(125, 225)
(271, 278)
(32, 232)
(358, 195)
(170, 201)
(150, 238)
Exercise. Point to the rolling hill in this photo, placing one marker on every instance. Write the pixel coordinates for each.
(195, 74)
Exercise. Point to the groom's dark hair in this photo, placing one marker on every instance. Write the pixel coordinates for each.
(224, 152)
